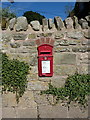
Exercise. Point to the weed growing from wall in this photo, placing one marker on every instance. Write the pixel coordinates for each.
(76, 88)
(14, 75)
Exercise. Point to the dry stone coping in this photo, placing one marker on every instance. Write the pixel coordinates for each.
(69, 23)
(22, 24)
(12, 23)
(35, 25)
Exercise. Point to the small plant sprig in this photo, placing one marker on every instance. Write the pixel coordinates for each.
(76, 88)
(14, 75)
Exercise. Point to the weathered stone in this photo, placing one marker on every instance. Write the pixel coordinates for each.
(28, 43)
(75, 34)
(79, 49)
(83, 58)
(27, 113)
(83, 69)
(73, 42)
(37, 85)
(58, 23)
(6, 37)
(50, 23)
(65, 58)
(49, 111)
(83, 23)
(76, 25)
(59, 49)
(9, 100)
(85, 42)
(44, 79)
(22, 24)
(88, 18)
(19, 36)
(64, 42)
(87, 34)
(69, 23)
(27, 101)
(58, 81)
(34, 61)
(8, 112)
(4, 23)
(40, 99)
(0, 113)
(23, 50)
(65, 70)
(32, 36)
(44, 24)
(76, 112)
(15, 45)
(59, 35)
(12, 23)
(35, 25)
(45, 34)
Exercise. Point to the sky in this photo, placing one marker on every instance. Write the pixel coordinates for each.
(48, 9)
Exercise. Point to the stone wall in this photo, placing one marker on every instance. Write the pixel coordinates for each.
(70, 54)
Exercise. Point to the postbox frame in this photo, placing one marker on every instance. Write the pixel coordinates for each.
(45, 53)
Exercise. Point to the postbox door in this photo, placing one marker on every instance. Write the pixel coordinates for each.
(45, 66)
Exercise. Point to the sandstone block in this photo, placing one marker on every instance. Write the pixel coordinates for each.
(4, 23)
(83, 23)
(19, 36)
(40, 99)
(9, 100)
(50, 23)
(69, 23)
(6, 37)
(28, 43)
(37, 85)
(76, 112)
(58, 81)
(83, 69)
(12, 23)
(34, 61)
(87, 34)
(64, 42)
(44, 24)
(59, 35)
(73, 42)
(75, 34)
(14, 45)
(88, 18)
(76, 25)
(27, 101)
(22, 24)
(35, 25)
(48, 111)
(64, 70)
(29, 113)
(8, 113)
(58, 23)
(79, 49)
(32, 36)
(59, 49)
(65, 58)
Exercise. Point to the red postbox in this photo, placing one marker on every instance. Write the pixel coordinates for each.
(45, 60)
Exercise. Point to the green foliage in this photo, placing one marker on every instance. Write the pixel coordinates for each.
(69, 10)
(7, 13)
(76, 88)
(14, 76)
(31, 16)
